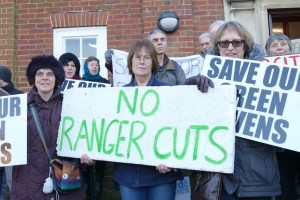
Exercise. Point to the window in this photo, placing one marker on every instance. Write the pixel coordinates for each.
(83, 42)
(285, 21)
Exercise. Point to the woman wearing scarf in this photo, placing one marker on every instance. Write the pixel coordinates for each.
(92, 70)
(92, 73)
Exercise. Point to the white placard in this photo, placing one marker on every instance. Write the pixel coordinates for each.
(268, 98)
(71, 83)
(176, 126)
(286, 60)
(13, 130)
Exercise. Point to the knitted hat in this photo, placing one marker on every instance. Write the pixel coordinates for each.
(66, 57)
(45, 62)
(5, 74)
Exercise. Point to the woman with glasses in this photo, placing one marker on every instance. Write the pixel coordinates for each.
(256, 174)
(141, 182)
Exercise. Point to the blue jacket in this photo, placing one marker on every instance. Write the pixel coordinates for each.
(132, 175)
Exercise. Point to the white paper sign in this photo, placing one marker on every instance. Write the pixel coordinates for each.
(13, 130)
(286, 60)
(191, 66)
(268, 97)
(71, 83)
(176, 126)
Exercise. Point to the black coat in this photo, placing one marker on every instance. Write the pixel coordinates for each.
(10, 89)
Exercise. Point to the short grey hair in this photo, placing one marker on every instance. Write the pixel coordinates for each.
(204, 35)
(278, 36)
(154, 32)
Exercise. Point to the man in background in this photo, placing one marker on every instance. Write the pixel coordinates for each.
(205, 43)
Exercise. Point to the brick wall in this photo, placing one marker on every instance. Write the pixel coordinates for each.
(26, 26)
(7, 34)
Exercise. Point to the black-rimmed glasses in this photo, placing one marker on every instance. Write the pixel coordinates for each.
(235, 43)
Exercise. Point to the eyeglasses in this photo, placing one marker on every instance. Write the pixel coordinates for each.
(138, 59)
(235, 43)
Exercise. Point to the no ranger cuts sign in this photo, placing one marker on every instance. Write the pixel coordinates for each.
(177, 126)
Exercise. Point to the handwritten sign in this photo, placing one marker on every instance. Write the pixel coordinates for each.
(191, 66)
(267, 98)
(176, 126)
(13, 130)
(71, 83)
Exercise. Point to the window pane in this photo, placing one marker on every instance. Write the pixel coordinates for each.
(277, 27)
(89, 47)
(73, 46)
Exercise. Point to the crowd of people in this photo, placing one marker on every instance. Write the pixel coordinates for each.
(261, 171)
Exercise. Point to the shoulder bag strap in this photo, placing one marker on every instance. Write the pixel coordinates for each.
(39, 128)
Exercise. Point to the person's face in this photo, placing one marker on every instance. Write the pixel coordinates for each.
(93, 67)
(45, 81)
(70, 70)
(159, 41)
(279, 48)
(231, 51)
(205, 44)
(142, 63)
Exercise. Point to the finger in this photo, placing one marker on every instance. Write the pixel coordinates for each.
(211, 83)
(205, 85)
(202, 84)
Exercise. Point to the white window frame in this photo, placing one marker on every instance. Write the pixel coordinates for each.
(100, 32)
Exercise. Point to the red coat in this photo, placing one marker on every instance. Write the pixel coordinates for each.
(28, 179)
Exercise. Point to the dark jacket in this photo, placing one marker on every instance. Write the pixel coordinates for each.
(28, 179)
(11, 89)
(170, 72)
(100, 80)
(132, 175)
(256, 171)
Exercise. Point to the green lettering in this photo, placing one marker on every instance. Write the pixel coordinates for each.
(154, 109)
(83, 134)
(108, 151)
(198, 128)
(65, 131)
(217, 162)
(156, 152)
(122, 95)
(99, 139)
(186, 143)
(120, 138)
(133, 140)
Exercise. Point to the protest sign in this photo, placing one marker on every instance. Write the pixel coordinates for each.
(71, 83)
(267, 98)
(13, 130)
(177, 126)
(191, 66)
(286, 60)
